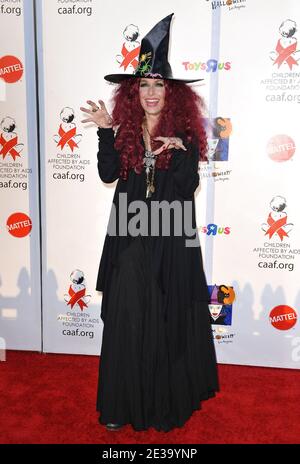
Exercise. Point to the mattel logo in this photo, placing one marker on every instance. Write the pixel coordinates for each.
(19, 225)
(281, 148)
(283, 317)
(11, 69)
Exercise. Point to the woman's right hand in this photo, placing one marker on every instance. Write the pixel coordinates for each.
(97, 114)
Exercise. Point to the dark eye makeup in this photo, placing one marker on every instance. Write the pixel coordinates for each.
(159, 84)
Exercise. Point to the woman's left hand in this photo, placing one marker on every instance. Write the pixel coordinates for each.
(169, 142)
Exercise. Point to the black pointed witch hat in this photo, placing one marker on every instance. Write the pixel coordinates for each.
(153, 56)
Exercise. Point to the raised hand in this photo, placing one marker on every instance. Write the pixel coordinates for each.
(97, 114)
(169, 142)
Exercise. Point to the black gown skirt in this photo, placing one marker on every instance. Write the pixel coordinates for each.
(157, 360)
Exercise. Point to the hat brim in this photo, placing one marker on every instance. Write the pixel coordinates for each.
(117, 78)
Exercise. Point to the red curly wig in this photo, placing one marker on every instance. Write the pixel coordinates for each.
(181, 114)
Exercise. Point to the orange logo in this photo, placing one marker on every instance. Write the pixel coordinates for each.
(11, 69)
(19, 224)
(283, 317)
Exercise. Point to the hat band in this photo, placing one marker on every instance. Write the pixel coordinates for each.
(150, 74)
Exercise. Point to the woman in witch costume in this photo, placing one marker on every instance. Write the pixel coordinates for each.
(157, 360)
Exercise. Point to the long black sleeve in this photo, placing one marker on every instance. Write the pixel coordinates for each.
(108, 157)
(184, 165)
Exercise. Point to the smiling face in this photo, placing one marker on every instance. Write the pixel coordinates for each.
(215, 310)
(152, 95)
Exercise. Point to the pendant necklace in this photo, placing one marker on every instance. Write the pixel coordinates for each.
(149, 163)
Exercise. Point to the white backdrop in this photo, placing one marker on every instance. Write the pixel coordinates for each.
(20, 296)
(262, 266)
(248, 53)
(76, 210)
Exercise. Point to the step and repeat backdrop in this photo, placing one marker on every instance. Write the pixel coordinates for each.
(248, 54)
(20, 294)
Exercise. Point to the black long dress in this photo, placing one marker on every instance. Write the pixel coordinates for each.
(157, 360)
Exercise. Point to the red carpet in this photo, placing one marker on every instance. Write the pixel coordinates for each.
(48, 398)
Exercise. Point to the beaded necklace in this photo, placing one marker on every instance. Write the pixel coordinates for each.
(149, 163)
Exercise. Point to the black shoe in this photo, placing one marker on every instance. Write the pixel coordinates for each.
(111, 426)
